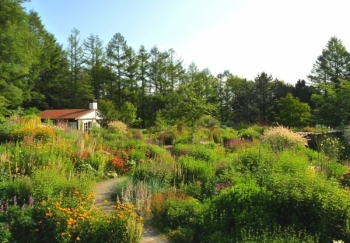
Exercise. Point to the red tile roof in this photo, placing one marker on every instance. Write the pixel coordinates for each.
(64, 114)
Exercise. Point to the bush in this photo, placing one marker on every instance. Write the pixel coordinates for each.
(117, 127)
(309, 202)
(242, 207)
(136, 134)
(182, 149)
(250, 133)
(6, 129)
(279, 138)
(229, 134)
(208, 121)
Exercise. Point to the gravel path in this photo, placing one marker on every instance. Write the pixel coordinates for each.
(104, 191)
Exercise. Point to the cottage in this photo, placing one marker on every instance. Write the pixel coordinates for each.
(81, 119)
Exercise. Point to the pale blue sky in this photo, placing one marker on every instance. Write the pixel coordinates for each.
(247, 37)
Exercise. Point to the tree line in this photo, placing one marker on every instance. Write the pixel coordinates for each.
(141, 86)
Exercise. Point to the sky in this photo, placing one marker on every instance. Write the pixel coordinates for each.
(280, 37)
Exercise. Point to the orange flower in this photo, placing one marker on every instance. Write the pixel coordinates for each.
(78, 238)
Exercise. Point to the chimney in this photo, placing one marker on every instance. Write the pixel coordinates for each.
(93, 105)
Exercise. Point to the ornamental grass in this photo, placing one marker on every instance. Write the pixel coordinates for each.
(279, 138)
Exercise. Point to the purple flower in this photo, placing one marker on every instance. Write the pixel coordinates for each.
(31, 201)
(15, 200)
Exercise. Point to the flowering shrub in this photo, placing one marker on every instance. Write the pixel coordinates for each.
(279, 138)
(330, 146)
(28, 130)
(120, 165)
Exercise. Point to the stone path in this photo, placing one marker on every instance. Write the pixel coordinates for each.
(104, 191)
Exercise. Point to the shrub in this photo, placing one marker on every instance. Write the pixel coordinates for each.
(6, 129)
(192, 170)
(117, 127)
(215, 134)
(331, 146)
(250, 133)
(311, 203)
(208, 121)
(136, 134)
(279, 138)
(181, 149)
(242, 207)
(229, 134)
(154, 169)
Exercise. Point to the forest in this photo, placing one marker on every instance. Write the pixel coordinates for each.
(37, 73)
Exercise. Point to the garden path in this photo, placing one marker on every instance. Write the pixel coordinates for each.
(104, 191)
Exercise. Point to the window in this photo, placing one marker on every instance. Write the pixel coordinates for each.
(87, 126)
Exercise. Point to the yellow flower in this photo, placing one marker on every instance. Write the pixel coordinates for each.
(78, 238)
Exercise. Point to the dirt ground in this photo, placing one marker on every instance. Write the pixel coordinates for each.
(104, 191)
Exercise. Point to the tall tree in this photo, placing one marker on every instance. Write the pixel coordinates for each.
(262, 95)
(49, 74)
(116, 61)
(94, 62)
(224, 95)
(332, 64)
(18, 53)
(333, 109)
(279, 89)
(81, 90)
(241, 102)
(190, 106)
(303, 91)
(142, 81)
(157, 71)
(175, 71)
(130, 89)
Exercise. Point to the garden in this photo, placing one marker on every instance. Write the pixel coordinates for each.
(221, 184)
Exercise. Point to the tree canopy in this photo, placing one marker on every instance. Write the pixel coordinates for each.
(35, 71)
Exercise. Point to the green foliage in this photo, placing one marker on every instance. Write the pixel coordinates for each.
(310, 202)
(208, 121)
(292, 112)
(128, 113)
(229, 134)
(251, 132)
(156, 168)
(160, 122)
(107, 111)
(243, 207)
(191, 170)
(6, 129)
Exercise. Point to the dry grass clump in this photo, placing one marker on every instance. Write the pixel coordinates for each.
(279, 138)
(117, 127)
